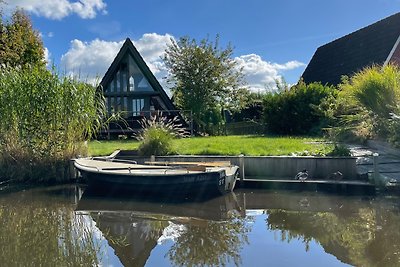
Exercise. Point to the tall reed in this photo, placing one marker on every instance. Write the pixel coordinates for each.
(44, 121)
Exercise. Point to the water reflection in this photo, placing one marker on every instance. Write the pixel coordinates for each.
(38, 228)
(358, 232)
(211, 232)
(56, 226)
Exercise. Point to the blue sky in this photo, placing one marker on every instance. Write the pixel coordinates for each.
(272, 39)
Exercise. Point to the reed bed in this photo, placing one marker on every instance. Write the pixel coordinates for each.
(45, 120)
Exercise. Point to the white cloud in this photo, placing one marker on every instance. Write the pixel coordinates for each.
(58, 9)
(89, 60)
(171, 232)
(294, 64)
(92, 59)
(261, 75)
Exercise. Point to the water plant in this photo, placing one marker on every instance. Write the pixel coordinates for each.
(45, 119)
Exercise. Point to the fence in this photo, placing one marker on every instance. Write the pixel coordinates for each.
(244, 127)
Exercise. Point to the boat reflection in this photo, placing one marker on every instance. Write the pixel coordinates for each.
(133, 228)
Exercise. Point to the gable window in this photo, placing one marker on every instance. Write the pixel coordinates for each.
(112, 86)
(119, 104)
(118, 89)
(123, 78)
(131, 84)
(137, 106)
(144, 84)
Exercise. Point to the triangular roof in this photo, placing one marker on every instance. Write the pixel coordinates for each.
(128, 47)
(373, 44)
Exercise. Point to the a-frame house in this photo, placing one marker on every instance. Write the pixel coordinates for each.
(131, 89)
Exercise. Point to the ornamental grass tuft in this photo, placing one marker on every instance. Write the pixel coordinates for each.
(157, 135)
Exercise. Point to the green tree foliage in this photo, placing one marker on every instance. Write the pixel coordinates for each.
(296, 110)
(20, 44)
(367, 104)
(220, 243)
(204, 77)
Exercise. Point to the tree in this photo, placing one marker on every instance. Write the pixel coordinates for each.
(204, 77)
(20, 44)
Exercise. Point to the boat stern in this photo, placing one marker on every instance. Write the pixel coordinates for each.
(231, 175)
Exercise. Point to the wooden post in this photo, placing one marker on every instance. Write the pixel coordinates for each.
(241, 168)
(376, 169)
(152, 159)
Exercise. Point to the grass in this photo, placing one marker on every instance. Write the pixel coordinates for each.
(227, 145)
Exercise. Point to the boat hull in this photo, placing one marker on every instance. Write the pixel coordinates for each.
(204, 184)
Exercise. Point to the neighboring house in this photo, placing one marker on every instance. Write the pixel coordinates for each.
(377, 43)
(130, 88)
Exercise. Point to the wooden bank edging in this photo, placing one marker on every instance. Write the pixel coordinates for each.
(277, 172)
(285, 167)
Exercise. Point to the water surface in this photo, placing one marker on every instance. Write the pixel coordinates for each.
(65, 226)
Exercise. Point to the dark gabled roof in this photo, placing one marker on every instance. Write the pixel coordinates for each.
(128, 47)
(349, 54)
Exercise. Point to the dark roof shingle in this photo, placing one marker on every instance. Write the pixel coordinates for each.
(351, 53)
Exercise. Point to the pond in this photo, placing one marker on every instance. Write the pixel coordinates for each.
(66, 226)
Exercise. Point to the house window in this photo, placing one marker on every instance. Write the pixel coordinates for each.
(144, 85)
(125, 105)
(118, 89)
(137, 106)
(131, 84)
(119, 104)
(112, 86)
(124, 86)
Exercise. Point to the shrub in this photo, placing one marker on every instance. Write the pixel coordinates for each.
(340, 150)
(295, 111)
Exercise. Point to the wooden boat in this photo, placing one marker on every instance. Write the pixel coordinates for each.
(133, 226)
(218, 208)
(187, 179)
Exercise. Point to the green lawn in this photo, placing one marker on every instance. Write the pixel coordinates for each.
(227, 145)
